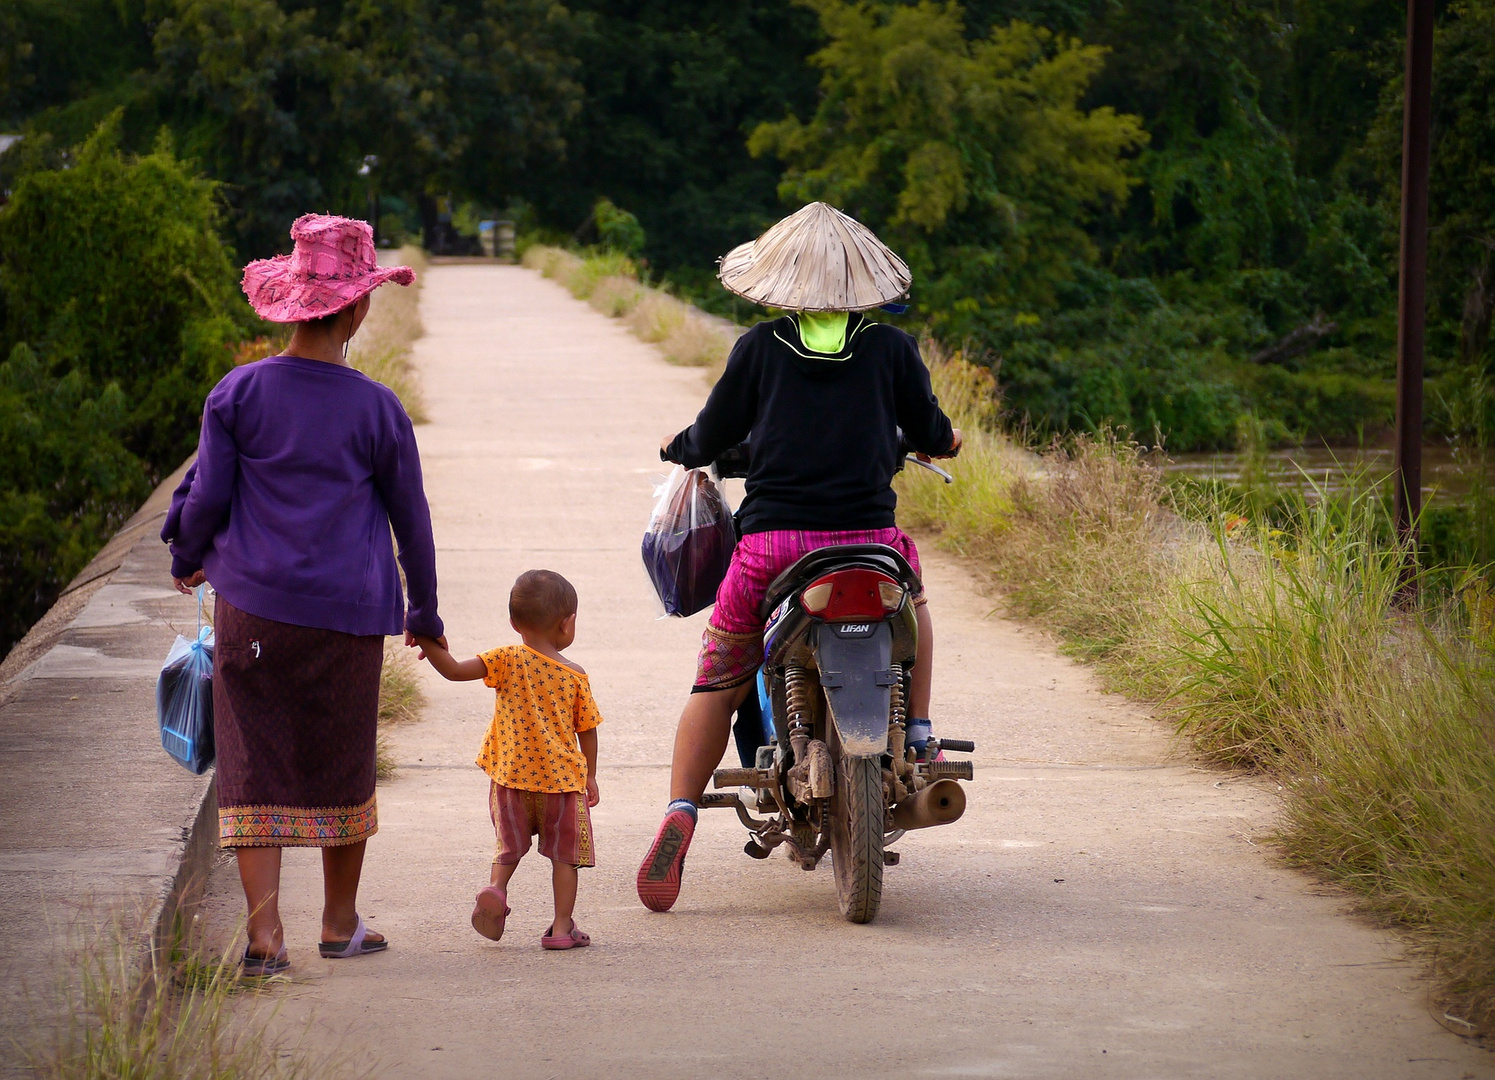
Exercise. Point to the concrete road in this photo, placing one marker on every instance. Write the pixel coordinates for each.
(1105, 908)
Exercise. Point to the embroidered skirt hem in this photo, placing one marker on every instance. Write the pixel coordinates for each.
(296, 826)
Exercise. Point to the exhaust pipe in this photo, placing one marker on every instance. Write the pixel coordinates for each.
(938, 804)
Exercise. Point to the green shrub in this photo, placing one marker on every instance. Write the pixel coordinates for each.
(114, 266)
(598, 267)
(1334, 407)
(618, 230)
(66, 483)
(119, 310)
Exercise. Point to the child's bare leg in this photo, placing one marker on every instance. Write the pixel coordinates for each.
(259, 873)
(502, 872)
(563, 880)
(922, 688)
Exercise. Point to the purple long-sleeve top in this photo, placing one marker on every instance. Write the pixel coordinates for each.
(302, 469)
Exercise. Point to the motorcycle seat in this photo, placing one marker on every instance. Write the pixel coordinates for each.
(821, 561)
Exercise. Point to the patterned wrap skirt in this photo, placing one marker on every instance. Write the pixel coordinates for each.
(732, 644)
(295, 719)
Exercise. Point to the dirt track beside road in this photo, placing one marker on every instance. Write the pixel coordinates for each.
(1105, 908)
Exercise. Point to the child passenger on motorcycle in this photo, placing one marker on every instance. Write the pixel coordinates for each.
(823, 395)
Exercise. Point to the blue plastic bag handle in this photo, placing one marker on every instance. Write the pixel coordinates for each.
(203, 632)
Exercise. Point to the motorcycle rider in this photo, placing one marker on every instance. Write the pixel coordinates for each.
(823, 391)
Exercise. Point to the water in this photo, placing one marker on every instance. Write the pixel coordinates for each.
(1446, 474)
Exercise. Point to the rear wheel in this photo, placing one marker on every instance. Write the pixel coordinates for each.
(857, 838)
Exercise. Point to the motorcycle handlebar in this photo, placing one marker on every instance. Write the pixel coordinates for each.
(733, 462)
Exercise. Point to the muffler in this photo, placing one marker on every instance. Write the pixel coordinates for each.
(938, 804)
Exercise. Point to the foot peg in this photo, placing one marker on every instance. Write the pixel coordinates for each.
(960, 746)
(949, 770)
(753, 778)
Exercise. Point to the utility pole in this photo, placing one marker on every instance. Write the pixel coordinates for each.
(1412, 299)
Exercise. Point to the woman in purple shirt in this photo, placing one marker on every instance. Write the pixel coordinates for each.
(304, 467)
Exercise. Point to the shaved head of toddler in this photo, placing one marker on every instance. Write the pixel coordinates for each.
(540, 599)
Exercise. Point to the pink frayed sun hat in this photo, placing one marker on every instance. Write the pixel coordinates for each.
(332, 266)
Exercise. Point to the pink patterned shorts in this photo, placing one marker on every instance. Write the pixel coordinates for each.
(732, 646)
(559, 818)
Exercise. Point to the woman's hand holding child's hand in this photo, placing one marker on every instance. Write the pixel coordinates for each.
(435, 652)
(413, 642)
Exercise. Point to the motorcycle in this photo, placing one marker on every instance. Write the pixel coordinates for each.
(823, 743)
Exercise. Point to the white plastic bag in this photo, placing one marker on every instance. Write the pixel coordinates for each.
(688, 545)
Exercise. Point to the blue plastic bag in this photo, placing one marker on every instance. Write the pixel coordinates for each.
(184, 701)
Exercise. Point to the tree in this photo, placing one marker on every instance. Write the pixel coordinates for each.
(465, 97)
(114, 267)
(66, 482)
(1462, 184)
(71, 58)
(1206, 76)
(255, 94)
(974, 156)
(671, 89)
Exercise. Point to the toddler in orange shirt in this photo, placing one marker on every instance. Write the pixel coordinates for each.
(540, 751)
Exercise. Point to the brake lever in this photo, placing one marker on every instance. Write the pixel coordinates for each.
(931, 466)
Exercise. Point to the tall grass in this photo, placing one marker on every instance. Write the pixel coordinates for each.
(1271, 647)
(382, 348)
(400, 701)
(609, 282)
(382, 351)
(129, 1016)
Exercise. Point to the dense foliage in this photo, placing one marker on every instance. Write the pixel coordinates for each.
(118, 312)
(1250, 268)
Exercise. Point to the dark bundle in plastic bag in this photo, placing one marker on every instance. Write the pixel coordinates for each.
(689, 543)
(184, 701)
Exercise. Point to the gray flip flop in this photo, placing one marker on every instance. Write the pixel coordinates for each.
(354, 946)
(264, 967)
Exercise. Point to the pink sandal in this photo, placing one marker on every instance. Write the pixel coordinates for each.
(574, 939)
(491, 910)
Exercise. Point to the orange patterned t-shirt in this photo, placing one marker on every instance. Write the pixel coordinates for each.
(542, 704)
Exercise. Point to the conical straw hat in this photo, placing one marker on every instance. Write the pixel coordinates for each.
(816, 259)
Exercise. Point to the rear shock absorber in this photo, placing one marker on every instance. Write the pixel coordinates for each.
(895, 712)
(897, 733)
(797, 689)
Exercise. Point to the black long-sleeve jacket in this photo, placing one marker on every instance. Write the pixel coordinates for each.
(824, 427)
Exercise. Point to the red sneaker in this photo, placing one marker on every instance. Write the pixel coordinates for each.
(659, 876)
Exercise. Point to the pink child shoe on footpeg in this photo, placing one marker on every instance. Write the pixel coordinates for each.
(659, 876)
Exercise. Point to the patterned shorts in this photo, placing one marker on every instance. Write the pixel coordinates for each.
(560, 818)
(732, 646)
